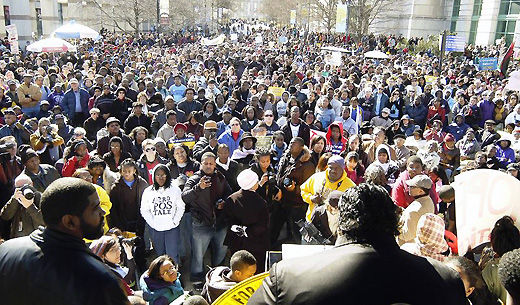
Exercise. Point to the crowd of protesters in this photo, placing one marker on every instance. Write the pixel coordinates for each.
(247, 145)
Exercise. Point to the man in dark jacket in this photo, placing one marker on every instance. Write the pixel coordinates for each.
(208, 143)
(295, 123)
(114, 129)
(93, 124)
(75, 103)
(23, 210)
(137, 118)
(366, 266)
(57, 254)
(205, 193)
(42, 175)
(294, 169)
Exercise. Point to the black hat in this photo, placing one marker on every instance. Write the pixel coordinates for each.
(120, 89)
(9, 111)
(111, 120)
(490, 122)
(247, 135)
(26, 153)
(400, 136)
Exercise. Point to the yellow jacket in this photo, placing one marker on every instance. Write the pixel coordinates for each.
(319, 183)
(106, 205)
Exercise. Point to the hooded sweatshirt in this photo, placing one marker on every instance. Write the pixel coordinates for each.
(337, 147)
(217, 282)
(162, 208)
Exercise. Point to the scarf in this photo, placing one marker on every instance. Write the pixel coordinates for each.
(225, 166)
(358, 115)
(242, 153)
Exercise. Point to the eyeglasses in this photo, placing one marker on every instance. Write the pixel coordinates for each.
(78, 134)
(172, 270)
(161, 175)
(268, 115)
(149, 149)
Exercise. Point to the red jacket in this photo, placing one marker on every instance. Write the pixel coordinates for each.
(72, 165)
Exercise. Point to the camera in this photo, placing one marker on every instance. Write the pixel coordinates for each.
(27, 192)
(287, 182)
(48, 129)
(271, 178)
(218, 203)
(129, 241)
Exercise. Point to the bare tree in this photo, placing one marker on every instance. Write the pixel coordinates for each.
(128, 13)
(364, 13)
(325, 12)
(278, 10)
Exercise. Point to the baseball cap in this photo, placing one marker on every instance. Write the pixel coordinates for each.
(210, 125)
(421, 181)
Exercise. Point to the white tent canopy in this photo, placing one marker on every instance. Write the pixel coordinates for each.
(51, 44)
(73, 30)
(376, 54)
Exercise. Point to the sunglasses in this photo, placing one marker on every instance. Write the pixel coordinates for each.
(149, 149)
(269, 115)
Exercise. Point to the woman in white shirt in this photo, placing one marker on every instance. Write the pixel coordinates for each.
(162, 209)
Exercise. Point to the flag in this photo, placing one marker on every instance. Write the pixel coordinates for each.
(505, 61)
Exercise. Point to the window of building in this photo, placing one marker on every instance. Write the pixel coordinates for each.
(477, 8)
(509, 7)
(473, 31)
(506, 28)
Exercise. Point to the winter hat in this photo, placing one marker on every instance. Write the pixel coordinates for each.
(247, 179)
(99, 246)
(336, 160)
(449, 138)
(26, 153)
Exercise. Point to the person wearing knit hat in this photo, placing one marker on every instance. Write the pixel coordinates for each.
(430, 238)
(450, 155)
(249, 218)
(318, 187)
(108, 248)
(42, 175)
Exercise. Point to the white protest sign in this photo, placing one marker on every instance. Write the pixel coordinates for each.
(483, 196)
(12, 31)
(15, 48)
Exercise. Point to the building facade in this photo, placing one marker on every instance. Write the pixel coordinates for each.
(480, 22)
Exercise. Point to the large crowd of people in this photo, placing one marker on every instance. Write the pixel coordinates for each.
(175, 147)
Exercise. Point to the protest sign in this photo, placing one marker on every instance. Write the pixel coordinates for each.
(488, 63)
(482, 197)
(276, 91)
(241, 292)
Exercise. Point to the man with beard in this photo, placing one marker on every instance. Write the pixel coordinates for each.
(42, 262)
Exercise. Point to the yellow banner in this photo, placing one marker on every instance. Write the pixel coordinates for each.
(241, 292)
(430, 79)
(276, 91)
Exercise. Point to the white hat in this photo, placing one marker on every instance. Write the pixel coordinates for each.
(247, 179)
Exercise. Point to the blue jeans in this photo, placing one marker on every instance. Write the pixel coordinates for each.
(186, 232)
(204, 235)
(166, 242)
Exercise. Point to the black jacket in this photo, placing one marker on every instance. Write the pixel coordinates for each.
(49, 267)
(231, 174)
(126, 206)
(361, 274)
(201, 147)
(202, 201)
(304, 132)
(103, 148)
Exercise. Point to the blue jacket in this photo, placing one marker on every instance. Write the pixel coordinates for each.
(505, 155)
(458, 131)
(418, 114)
(383, 103)
(159, 292)
(69, 103)
(227, 138)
